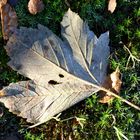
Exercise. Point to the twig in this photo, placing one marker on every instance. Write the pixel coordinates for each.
(132, 57)
(119, 133)
(114, 119)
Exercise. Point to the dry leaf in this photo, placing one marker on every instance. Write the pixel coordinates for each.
(8, 20)
(112, 5)
(35, 6)
(113, 83)
(62, 73)
(2, 3)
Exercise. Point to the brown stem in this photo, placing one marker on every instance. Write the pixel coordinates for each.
(119, 97)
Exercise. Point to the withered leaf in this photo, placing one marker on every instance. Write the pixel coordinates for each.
(62, 73)
(8, 21)
(112, 5)
(35, 6)
(113, 83)
(2, 3)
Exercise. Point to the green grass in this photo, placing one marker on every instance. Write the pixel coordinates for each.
(101, 122)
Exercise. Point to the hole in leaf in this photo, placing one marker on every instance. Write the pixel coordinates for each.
(61, 75)
(52, 82)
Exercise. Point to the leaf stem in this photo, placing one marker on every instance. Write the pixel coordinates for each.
(119, 97)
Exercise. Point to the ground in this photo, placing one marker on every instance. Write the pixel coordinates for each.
(116, 120)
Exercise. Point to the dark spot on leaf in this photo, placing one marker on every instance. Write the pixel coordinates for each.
(61, 75)
(52, 82)
(18, 66)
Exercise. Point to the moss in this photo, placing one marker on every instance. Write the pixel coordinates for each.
(100, 119)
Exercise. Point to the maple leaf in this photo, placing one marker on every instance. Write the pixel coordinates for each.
(62, 73)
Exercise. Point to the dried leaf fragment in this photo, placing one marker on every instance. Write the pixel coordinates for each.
(112, 5)
(8, 20)
(2, 3)
(113, 83)
(35, 6)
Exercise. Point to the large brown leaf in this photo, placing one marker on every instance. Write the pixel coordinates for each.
(62, 73)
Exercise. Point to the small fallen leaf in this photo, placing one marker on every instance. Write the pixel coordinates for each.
(35, 6)
(113, 83)
(8, 20)
(112, 5)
